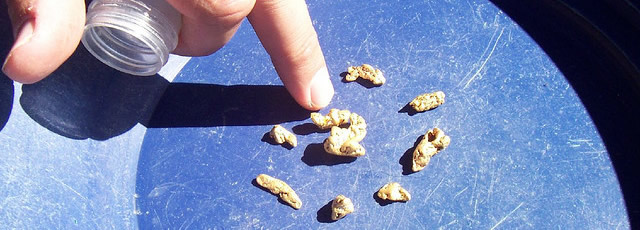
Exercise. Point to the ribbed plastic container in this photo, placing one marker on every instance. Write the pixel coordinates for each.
(135, 37)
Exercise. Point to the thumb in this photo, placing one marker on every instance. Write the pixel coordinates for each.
(46, 33)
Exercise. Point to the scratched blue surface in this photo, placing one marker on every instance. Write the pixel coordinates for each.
(524, 152)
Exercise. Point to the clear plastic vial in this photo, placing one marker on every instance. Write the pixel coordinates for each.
(133, 36)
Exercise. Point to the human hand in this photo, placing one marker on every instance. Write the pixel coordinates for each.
(48, 31)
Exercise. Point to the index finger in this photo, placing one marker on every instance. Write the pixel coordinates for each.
(286, 32)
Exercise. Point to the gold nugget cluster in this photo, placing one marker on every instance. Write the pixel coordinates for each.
(345, 141)
(342, 141)
(281, 189)
(367, 72)
(432, 142)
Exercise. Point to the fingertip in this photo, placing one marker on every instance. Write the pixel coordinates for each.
(321, 90)
(14, 65)
(25, 63)
(45, 37)
(22, 73)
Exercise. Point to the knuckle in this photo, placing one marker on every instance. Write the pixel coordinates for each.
(303, 50)
(226, 12)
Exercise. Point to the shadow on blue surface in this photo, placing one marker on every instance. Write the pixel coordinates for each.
(324, 214)
(314, 155)
(382, 202)
(6, 85)
(6, 99)
(406, 161)
(86, 99)
(208, 105)
(408, 110)
(594, 44)
(308, 128)
(266, 138)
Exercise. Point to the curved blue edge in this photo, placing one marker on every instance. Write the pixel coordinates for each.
(593, 44)
(524, 151)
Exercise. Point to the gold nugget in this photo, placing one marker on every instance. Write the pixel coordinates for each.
(281, 135)
(366, 72)
(345, 141)
(393, 192)
(340, 207)
(280, 188)
(427, 101)
(335, 117)
(432, 142)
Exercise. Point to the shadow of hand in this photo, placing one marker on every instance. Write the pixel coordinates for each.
(86, 99)
(6, 84)
(206, 105)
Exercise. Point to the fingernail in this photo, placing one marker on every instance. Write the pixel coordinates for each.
(321, 89)
(5, 63)
(25, 33)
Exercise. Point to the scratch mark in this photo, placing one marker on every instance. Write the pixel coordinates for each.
(490, 190)
(473, 11)
(473, 190)
(404, 209)
(369, 161)
(162, 159)
(431, 8)
(288, 226)
(393, 215)
(415, 18)
(580, 140)
(355, 183)
(475, 208)
(68, 187)
(407, 58)
(305, 185)
(595, 152)
(589, 143)
(158, 218)
(461, 191)
(255, 155)
(363, 43)
(434, 190)
(576, 160)
(455, 43)
(493, 48)
(440, 220)
(507, 216)
(187, 223)
(419, 222)
(450, 223)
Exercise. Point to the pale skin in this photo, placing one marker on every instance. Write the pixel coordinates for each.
(48, 31)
